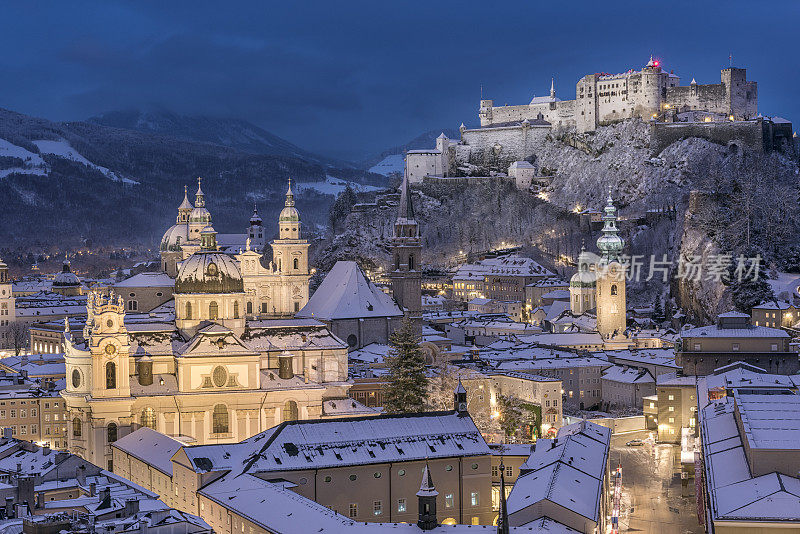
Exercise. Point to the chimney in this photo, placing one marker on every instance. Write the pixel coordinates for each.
(285, 365)
(40, 500)
(46, 450)
(426, 502)
(131, 507)
(9, 506)
(80, 474)
(25, 489)
(93, 489)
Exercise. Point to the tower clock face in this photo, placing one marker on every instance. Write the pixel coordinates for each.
(110, 349)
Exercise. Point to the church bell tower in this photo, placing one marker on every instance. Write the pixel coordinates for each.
(406, 247)
(611, 302)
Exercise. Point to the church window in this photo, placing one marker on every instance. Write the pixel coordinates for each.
(188, 310)
(396, 262)
(133, 305)
(614, 289)
(76, 428)
(76, 378)
(219, 376)
(264, 307)
(112, 432)
(220, 419)
(249, 308)
(296, 263)
(290, 411)
(296, 306)
(411, 262)
(149, 418)
(213, 311)
(236, 309)
(111, 375)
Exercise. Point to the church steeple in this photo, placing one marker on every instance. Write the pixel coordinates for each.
(185, 209)
(406, 248)
(199, 197)
(552, 88)
(610, 243)
(502, 518)
(426, 502)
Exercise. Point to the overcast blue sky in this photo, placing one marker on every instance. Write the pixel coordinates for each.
(349, 78)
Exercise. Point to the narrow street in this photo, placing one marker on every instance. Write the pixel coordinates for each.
(651, 488)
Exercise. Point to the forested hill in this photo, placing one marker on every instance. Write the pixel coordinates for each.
(61, 182)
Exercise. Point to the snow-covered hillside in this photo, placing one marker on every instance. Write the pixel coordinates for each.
(62, 149)
(391, 164)
(333, 186)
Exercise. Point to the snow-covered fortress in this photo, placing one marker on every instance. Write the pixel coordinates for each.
(605, 98)
(725, 113)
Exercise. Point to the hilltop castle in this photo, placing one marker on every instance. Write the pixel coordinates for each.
(724, 113)
(603, 98)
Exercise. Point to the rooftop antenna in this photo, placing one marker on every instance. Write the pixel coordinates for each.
(730, 59)
(481, 91)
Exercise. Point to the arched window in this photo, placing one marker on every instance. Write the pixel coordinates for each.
(290, 411)
(220, 419)
(149, 418)
(397, 262)
(188, 310)
(614, 289)
(76, 378)
(411, 262)
(249, 308)
(213, 311)
(296, 263)
(236, 309)
(76, 428)
(112, 432)
(111, 375)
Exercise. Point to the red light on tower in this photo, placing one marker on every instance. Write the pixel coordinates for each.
(656, 63)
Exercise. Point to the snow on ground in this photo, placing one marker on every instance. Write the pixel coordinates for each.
(62, 149)
(332, 186)
(393, 163)
(785, 285)
(34, 164)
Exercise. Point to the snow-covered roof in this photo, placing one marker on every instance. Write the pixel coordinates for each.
(147, 280)
(568, 471)
(567, 339)
(151, 447)
(361, 441)
(511, 265)
(660, 357)
(346, 293)
(752, 331)
(628, 375)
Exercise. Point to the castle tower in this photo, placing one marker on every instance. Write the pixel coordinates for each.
(97, 394)
(426, 502)
(611, 304)
(406, 248)
(290, 254)
(7, 313)
(583, 284)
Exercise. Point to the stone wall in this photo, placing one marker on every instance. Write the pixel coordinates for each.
(748, 134)
(711, 97)
(497, 148)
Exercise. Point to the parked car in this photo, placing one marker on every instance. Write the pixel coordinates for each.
(635, 443)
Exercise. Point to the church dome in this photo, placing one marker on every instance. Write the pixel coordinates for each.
(175, 236)
(289, 214)
(585, 276)
(66, 278)
(200, 214)
(209, 272)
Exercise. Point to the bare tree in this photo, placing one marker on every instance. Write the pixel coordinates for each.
(441, 390)
(19, 332)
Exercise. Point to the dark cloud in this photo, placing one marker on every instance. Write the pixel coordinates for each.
(347, 78)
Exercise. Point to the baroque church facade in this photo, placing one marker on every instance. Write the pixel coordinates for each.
(226, 368)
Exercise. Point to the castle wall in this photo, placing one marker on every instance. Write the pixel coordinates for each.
(746, 133)
(707, 97)
(499, 147)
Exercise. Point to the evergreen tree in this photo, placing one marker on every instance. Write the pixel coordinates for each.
(658, 311)
(407, 386)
